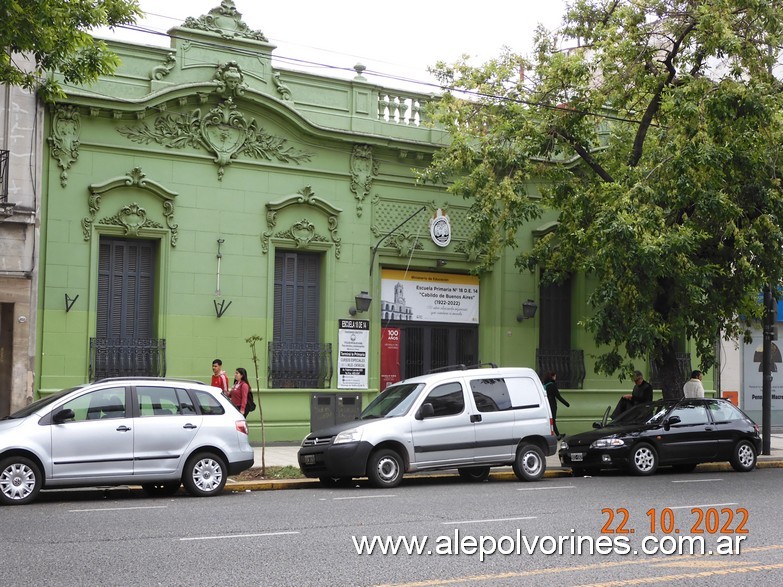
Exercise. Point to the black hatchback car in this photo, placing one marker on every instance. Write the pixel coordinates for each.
(679, 433)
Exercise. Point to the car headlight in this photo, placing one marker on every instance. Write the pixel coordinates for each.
(607, 442)
(352, 435)
(563, 445)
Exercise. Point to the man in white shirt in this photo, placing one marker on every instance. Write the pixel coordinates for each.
(694, 388)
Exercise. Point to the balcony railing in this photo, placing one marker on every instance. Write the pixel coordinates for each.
(5, 206)
(126, 357)
(300, 365)
(569, 366)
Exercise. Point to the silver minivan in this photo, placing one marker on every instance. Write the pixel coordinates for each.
(157, 433)
(470, 419)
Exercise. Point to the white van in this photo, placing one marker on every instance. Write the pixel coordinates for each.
(470, 419)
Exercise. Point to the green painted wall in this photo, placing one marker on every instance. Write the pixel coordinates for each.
(206, 141)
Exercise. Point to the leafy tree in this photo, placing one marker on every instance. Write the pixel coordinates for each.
(54, 33)
(657, 139)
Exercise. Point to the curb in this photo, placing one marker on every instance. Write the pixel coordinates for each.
(552, 473)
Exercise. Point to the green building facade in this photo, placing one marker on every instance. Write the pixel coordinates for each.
(201, 197)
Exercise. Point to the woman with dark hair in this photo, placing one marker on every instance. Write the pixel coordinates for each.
(240, 391)
(553, 395)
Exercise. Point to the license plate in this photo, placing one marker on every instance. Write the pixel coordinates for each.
(577, 456)
(309, 459)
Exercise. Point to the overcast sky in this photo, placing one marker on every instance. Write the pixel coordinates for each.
(395, 38)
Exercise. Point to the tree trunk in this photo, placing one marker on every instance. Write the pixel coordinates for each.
(669, 373)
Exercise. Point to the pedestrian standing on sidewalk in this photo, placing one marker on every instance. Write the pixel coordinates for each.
(219, 377)
(553, 395)
(240, 391)
(693, 387)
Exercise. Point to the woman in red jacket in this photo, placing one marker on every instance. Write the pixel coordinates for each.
(240, 390)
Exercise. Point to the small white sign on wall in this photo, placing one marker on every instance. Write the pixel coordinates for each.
(353, 351)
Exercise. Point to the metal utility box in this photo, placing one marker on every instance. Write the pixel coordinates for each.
(328, 409)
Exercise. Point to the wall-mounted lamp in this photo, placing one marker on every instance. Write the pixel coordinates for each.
(362, 300)
(528, 310)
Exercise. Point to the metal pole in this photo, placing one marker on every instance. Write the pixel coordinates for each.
(766, 368)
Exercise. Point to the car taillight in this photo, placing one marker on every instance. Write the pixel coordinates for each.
(241, 426)
(552, 426)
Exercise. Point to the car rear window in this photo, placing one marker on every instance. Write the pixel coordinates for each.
(523, 392)
(208, 403)
(490, 395)
(724, 412)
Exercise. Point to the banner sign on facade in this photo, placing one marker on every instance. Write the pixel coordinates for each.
(752, 374)
(354, 346)
(419, 296)
(391, 338)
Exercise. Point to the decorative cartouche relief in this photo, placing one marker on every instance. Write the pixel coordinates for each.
(64, 142)
(303, 232)
(225, 21)
(160, 71)
(223, 131)
(364, 169)
(132, 216)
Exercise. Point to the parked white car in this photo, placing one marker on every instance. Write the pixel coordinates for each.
(470, 419)
(157, 433)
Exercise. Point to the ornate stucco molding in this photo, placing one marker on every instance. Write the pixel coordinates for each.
(225, 21)
(224, 131)
(160, 71)
(66, 129)
(132, 216)
(282, 89)
(303, 232)
(364, 169)
(230, 80)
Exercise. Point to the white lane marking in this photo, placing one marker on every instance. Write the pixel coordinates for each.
(363, 497)
(146, 507)
(697, 480)
(546, 488)
(237, 536)
(704, 505)
(489, 520)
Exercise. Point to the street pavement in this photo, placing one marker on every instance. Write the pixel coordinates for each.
(282, 455)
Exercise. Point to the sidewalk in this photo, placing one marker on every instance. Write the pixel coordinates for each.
(282, 455)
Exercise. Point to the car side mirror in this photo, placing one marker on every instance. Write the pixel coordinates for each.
(669, 422)
(597, 425)
(62, 416)
(425, 411)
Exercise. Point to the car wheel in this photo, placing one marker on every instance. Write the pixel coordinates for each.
(644, 459)
(684, 468)
(743, 459)
(335, 481)
(385, 468)
(20, 481)
(205, 474)
(530, 463)
(475, 474)
(161, 489)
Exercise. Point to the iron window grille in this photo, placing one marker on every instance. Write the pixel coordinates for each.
(123, 357)
(300, 365)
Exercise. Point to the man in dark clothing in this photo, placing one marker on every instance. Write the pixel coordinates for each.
(642, 393)
(553, 395)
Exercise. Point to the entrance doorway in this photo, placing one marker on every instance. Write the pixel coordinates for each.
(426, 347)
